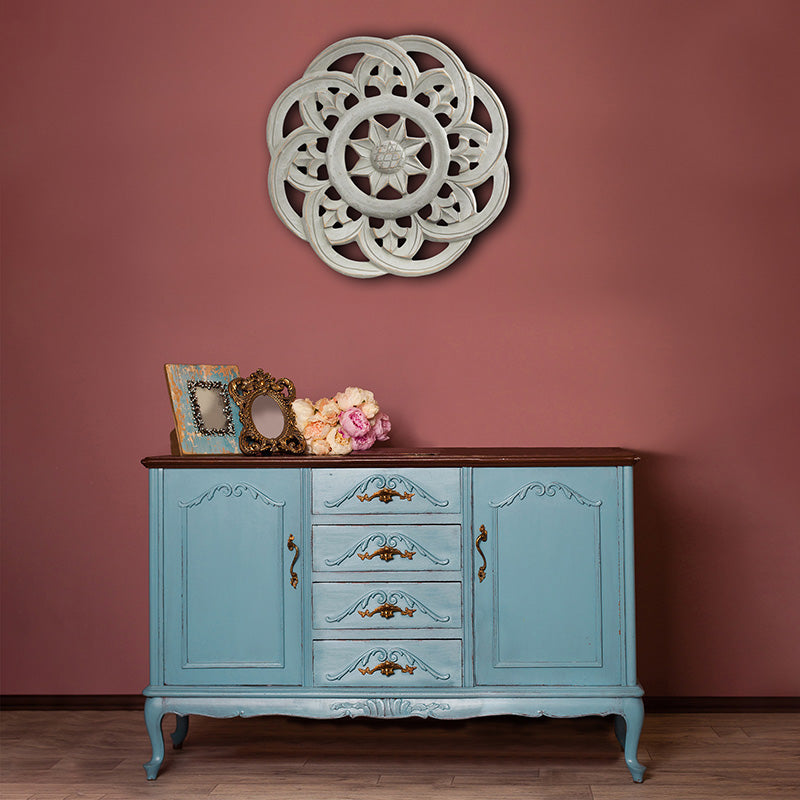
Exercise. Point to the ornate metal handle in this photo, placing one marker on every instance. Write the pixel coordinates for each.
(388, 610)
(385, 496)
(387, 668)
(290, 545)
(482, 538)
(387, 553)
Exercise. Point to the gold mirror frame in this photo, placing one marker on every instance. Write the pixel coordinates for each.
(251, 441)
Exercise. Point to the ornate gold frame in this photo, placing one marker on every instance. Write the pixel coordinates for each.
(282, 391)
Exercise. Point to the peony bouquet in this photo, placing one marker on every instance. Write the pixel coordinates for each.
(350, 420)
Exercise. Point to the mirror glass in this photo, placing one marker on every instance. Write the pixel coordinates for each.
(267, 416)
(211, 405)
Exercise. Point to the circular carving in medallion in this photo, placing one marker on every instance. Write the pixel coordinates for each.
(387, 156)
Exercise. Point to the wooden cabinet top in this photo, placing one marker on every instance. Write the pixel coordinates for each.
(389, 457)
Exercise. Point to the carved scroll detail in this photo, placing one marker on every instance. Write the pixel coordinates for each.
(388, 664)
(231, 490)
(388, 546)
(389, 606)
(389, 707)
(548, 490)
(393, 483)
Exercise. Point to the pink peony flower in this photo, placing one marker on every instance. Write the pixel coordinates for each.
(381, 426)
(364, 442)
(354, 423)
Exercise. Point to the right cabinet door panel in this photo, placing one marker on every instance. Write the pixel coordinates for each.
(548, 611)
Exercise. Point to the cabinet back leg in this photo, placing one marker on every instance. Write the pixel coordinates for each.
(181, 729)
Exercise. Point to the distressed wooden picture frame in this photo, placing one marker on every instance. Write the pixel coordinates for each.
(204, 418)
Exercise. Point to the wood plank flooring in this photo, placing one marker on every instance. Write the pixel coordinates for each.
(98, 755)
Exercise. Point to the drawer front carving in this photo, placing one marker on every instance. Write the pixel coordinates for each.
(386, 606)
(410, 491)
(386, 548)
(396, 663)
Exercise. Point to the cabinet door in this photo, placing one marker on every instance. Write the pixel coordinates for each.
(548, 609)
(231, 613)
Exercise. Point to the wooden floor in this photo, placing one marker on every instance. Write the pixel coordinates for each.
(50, 755)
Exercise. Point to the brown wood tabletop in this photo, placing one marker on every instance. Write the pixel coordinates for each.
(420, 457)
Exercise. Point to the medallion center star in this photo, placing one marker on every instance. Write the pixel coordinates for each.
(388, 156)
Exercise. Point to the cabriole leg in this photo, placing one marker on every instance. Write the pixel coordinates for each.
(181, 729)
(628, 728)
(153, 712)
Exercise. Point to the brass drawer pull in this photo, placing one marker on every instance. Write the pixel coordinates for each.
(387, 553)
(388, 610)
(482, 538)
(387, 668)
(290, 545)
(385, 496)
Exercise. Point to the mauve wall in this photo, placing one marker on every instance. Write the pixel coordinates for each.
(640, 289)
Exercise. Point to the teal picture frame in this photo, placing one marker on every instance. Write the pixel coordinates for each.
(205, 422)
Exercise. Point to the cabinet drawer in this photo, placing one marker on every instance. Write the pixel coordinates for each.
(387, 605)
(385, 548)
(397, 663)
(383, 491)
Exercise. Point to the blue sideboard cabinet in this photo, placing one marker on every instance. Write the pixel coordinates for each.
(450, 584)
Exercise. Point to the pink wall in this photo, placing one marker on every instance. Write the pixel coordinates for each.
(640, 289)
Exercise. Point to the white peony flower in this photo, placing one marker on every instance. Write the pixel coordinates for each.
(303, 411)
(339, 444)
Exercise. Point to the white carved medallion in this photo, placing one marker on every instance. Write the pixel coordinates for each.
(387, 156)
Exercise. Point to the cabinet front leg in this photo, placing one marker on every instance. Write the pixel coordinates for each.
(628, 728)
(153, 712)
(181, 729)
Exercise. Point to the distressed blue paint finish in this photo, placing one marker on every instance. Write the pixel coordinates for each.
(419, 662)
(351, 491)
(153, 713)
(386, 548)
(550, 631)
(182, 381)
(387, 605)
(231, 614)
(550, 600)
(179, 734)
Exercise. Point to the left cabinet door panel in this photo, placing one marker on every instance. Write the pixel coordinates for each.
(231, 614)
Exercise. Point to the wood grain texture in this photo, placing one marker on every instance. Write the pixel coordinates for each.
(421, 457)
(98, 755)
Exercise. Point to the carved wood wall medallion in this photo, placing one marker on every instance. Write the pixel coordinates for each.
(395, 137)
(265, 411)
